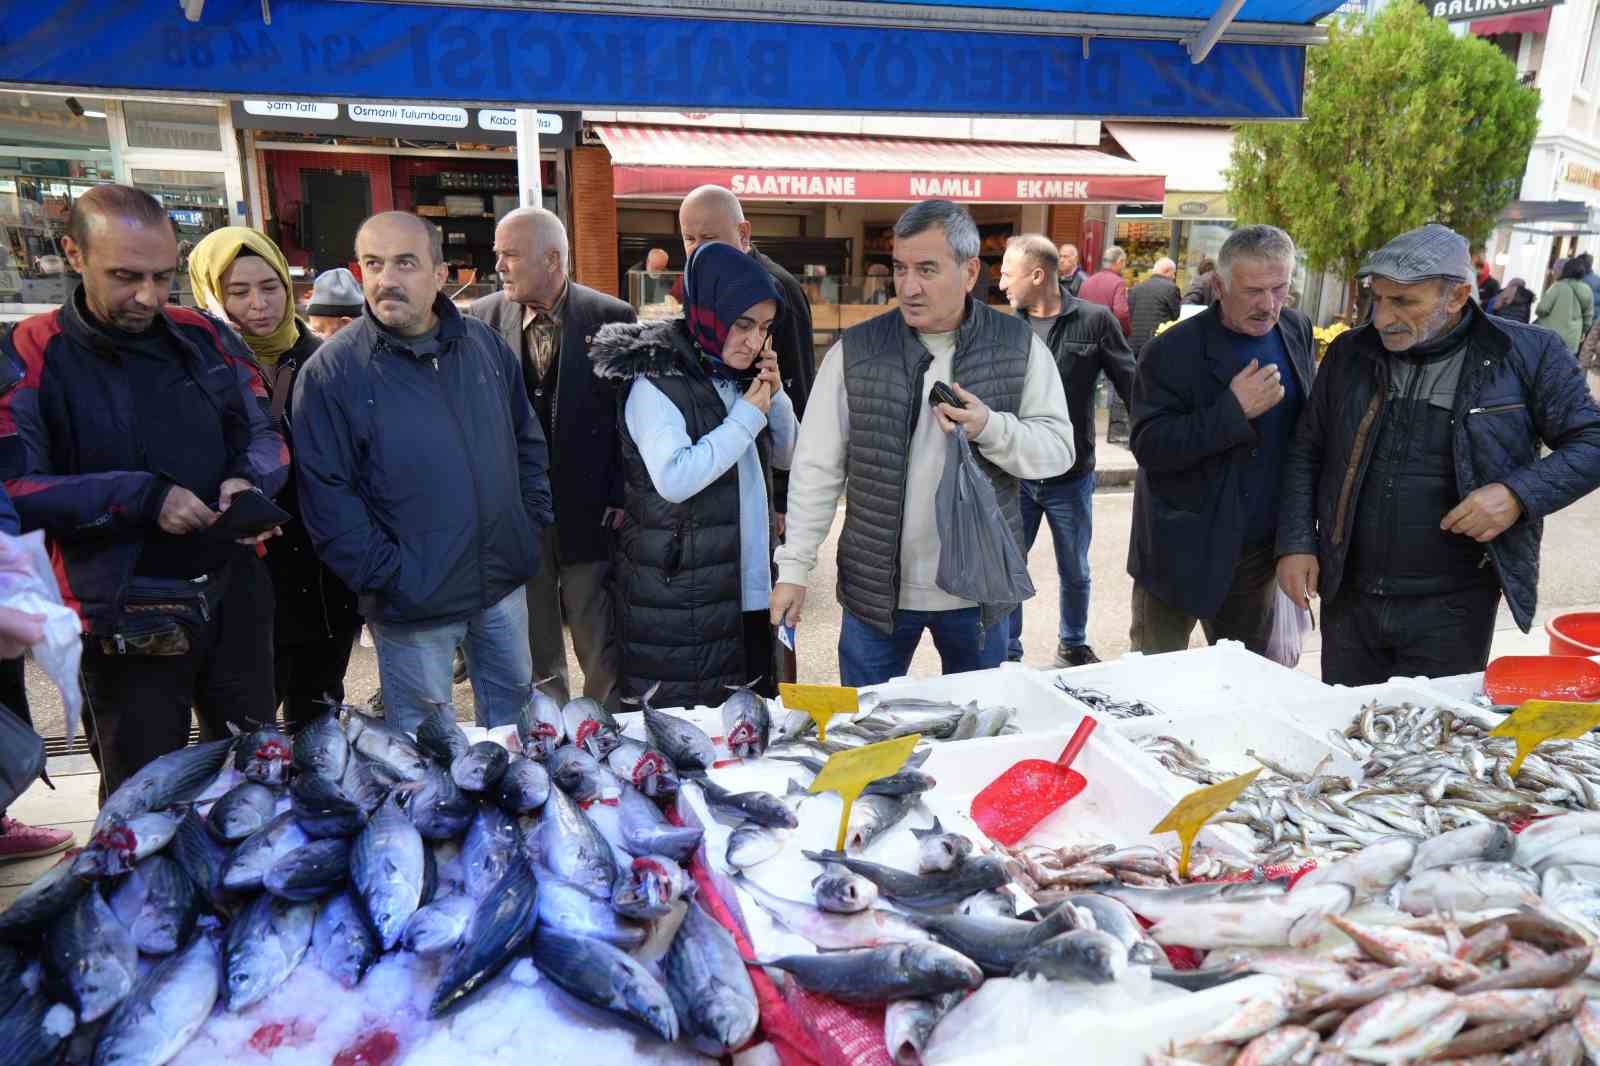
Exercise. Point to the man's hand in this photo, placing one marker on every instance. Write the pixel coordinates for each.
(1257, 388)
(1484, 514)
(781, 524)
(19, 631)
(787, 600)
(231, 488)
(973, 417)
(614, 518)
(183, 513)
(1297, 576)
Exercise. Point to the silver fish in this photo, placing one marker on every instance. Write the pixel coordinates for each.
(575, 772)
(540, 727)
(165, 1009)
(120, 843)
(997, 945)
(570, 845)
(685, 743)
(384, 744)
(481, 766)
(438, 808)
(571, 910)
(831, 931)
(264, 757)
(523, 787)
(158, 904)
(746, 723)
(873, 815)
(752, 844)
(1079, 955)
(919, 892)
(91, 955)
(342, 941)
(323, 809)
(242, 810)
(247, 867)
(646, 831)
(441, 926)
(603, 976)
(1467, 886)
(839, 891)
(500, 927)
(989, 904)
(908, 1023)
(264, 944)
(938, 851)
(1114, 917)
(883, 974)
(649, 887)
(709, 985)
(439, 735)
(646, 769)
(311, 871)
(904, 782)
(1573, 892)
(1487, 842)
(763, 808)
(591, 727)
(492, 844)
(321, 748)
(174, 778)
(386, 872)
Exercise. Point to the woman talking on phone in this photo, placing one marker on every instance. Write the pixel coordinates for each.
(703, 421)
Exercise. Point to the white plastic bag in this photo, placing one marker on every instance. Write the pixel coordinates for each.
(28, 583)
(1290, 624)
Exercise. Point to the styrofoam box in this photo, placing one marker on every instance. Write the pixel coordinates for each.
(1338, 706)
(1464, 688)
(1224, 737)
(1039, 705)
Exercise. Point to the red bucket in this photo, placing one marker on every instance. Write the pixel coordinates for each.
(1574, 634)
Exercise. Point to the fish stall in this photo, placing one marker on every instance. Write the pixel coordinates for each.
(1386, 883)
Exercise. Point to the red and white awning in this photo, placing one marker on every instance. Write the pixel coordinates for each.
(667, 162)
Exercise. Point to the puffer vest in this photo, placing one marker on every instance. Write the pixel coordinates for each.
(678, 589)
(884, 365)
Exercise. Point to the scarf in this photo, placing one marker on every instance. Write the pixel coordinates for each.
(720, 284)
(211, 259)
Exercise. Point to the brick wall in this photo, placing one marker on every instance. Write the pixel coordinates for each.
(594, 220)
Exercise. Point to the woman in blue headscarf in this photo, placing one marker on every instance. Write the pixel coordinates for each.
(704, 418)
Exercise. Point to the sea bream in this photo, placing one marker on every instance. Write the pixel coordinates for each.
(746, 723)
(165, 1009)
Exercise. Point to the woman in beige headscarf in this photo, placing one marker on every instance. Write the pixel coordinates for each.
(239, 275)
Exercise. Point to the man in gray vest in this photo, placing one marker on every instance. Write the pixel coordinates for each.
(870, 434)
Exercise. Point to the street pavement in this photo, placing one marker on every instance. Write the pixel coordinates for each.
(1569, 580)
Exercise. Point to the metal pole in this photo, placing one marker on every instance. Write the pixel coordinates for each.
(530, 180)
(1201, 44)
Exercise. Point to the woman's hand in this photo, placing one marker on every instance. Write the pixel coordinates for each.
(759, 394)
(769, 371)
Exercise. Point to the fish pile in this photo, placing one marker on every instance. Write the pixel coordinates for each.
(204, 886)
(1107, 704)
(1047, 872)
(889, 717)
(1425, 770)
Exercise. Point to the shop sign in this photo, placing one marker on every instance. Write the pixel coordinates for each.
(886, 186)
(549, 122)
(1578, 174)
(1197, 206)
(423, 122)
(309, 109)
(454, 118)
(1467, 10)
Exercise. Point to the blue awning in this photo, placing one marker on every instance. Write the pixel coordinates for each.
(1015, 57)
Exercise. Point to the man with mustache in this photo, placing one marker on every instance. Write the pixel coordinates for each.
(424, 479)
(1214, 407)
(1414, 493)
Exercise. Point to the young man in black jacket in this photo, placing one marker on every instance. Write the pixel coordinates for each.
(1084, 339)
(551, 321)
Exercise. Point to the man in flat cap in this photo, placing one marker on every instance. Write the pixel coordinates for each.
(1414, 493)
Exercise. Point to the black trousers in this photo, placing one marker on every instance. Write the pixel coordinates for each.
(138, 707)
(759, 653)
(14, 693)
(307, 673)
(1368, 639)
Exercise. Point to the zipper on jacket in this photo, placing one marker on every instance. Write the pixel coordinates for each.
(477, 497)
(923, 366)
(1498, 409)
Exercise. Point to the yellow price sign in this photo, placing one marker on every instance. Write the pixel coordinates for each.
(1197, 808)
(850, 772)
(821, 702)
(1540, 720)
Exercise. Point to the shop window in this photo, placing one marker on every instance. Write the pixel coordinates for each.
(185, 126)
(1586, 82)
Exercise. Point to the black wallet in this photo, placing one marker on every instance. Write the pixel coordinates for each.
(250, 515)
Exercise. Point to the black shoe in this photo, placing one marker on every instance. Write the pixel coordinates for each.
(1119, 439)
(460, 671)
(1074, 655)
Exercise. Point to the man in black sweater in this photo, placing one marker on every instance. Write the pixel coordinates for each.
(712, 213)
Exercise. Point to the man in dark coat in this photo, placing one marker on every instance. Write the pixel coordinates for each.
(1214, 409)
(1415, 493)
(712, 213)
(551, 321)
(1153, 301)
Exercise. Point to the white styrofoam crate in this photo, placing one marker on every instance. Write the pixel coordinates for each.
(1222, 678)
(1040, 706)
(1224, 737)
(1338, 706)
(1463, 688)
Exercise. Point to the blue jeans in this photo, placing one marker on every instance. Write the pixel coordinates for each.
(868, 657)
(1070, 508)
(416, 664)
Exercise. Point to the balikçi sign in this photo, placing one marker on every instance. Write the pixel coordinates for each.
(1468, 10)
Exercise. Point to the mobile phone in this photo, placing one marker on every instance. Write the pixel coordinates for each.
(942, 393)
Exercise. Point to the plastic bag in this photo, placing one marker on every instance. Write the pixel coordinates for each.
(27, 583)
(979, 559)
(21, 756)
(1290, 624)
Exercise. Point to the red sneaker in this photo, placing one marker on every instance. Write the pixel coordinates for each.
(21, 841)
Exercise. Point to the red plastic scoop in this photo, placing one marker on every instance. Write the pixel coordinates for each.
(1029, 792)
(1512, 680)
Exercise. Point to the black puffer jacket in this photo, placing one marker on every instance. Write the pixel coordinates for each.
(1520, 388)
(310, 602)
(678, 590)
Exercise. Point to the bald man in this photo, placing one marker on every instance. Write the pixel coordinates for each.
(550, 321)
(423, 479)
(1153, 301)
(712, 213)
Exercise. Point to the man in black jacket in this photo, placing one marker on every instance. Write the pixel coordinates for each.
(551, 321)
(1084, 339)
(1414, 493)
(1214, 408)
(423, 479)
(1153, 301)
(712, 213)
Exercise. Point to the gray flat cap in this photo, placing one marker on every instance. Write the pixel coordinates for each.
(1431, 252)
(336, 294)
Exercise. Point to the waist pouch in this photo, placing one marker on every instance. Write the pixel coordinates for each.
(160, 615)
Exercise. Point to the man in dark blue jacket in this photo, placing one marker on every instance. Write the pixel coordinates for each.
(423, 479)
(1414, 493)
(1214, 408)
